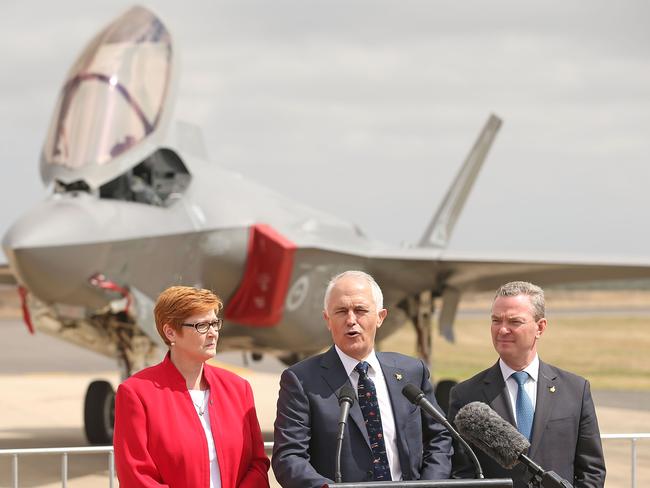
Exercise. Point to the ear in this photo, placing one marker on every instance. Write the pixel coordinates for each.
(326, 317)
(541, 327)
(170, 333)
(382, 315)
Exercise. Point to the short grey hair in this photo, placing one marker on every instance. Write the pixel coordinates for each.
(377, 295)
(533, 292)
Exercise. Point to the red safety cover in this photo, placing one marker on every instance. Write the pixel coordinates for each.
(259, 300)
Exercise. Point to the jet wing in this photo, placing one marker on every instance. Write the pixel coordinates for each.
(408, 272)
(416, 269)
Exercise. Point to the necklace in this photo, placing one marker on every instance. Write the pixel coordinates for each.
(201, 408)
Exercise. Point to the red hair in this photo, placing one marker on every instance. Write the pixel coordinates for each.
(177, 303)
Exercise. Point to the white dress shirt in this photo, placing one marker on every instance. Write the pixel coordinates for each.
(200, 400)
(385, 408)
(530, 386)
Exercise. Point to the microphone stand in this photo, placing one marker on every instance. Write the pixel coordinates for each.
(346, 399)
(416, 396)
(541, 478)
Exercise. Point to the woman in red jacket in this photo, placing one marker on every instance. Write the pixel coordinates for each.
(183, 423)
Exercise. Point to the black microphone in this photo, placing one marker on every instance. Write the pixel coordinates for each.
(502, 442)
(346, 400)
(416, 396)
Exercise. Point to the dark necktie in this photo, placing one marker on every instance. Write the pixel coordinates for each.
(524, 406)
(372, 416)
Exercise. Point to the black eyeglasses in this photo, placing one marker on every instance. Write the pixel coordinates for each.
(203, 327)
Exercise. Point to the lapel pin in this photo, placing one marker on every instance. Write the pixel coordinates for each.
(552, 389)
(398, 376)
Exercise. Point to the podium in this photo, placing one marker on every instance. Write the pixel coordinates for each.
(482, 483)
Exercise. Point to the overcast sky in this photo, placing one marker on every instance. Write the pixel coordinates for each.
(367, 109)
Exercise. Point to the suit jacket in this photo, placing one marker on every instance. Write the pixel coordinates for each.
(159, 440)
(307, 422)
(565, 436)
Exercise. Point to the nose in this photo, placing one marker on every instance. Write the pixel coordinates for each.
(504, 329)
(351, 318)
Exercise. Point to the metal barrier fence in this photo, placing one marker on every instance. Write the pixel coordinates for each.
(633, 438)
(65, 451)
(268, 447)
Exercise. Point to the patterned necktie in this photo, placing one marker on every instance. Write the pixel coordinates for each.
(525, 412)
(372, 416)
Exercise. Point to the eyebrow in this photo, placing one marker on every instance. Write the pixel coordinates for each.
(508, 317)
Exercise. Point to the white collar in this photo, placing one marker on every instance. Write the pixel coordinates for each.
(349, 363)
(532, 369)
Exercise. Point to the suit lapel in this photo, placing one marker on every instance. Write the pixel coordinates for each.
(395, 379)
(543, 405)
(496, 393)
(335, 376)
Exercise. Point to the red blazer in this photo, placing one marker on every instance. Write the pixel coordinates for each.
(159, 440)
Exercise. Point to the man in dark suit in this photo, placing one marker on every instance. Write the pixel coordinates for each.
(386, 437)
(552, 407)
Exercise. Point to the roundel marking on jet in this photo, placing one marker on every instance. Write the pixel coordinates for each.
(297, 293)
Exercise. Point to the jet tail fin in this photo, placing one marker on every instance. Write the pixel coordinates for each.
(442, 225)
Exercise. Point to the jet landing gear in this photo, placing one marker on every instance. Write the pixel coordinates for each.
(420, 309)
(99, 412)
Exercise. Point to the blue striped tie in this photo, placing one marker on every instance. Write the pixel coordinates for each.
(372, 416)
(524, 406)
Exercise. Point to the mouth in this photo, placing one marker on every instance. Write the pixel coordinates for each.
(353, 333)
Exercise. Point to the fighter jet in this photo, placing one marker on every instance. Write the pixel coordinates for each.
(134, 206)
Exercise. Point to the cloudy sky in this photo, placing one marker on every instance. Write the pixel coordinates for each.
(367, 109)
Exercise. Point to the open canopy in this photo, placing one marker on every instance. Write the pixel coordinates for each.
(114, 94)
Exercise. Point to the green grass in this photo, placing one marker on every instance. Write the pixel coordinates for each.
(612, 352)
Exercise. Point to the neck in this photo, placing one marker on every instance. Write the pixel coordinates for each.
(519, 364)
(191, 370)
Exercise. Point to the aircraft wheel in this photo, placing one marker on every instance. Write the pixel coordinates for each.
(99, 412)
(442, 393)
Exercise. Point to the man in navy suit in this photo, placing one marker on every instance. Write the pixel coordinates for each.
(407, 445)
(552, 407)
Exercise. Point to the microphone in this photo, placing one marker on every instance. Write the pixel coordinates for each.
(502, 442)
(416, 397)
(346, 400)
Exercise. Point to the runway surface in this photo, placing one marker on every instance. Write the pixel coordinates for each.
(43, 383)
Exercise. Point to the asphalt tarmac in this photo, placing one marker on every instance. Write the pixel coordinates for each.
(43, 382)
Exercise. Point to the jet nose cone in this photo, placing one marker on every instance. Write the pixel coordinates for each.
(54, 222)
(51, 250)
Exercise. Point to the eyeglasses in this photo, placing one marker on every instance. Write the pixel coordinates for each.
(203, 327)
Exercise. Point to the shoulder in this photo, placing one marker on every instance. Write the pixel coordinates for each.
(145, 379)
(307, 366)
(554, 373)
(222, 376)
(400, 360)
(479, 378)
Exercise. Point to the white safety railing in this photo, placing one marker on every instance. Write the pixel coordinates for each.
(268, 447)
(65, 451)
(633, 438)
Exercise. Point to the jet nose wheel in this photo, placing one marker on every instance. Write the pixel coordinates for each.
(99, 412)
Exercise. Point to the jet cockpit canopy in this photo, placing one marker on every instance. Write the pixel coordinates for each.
(113, 103)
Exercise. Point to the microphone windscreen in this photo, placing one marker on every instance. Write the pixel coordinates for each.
(346, 394)
(412, 393)
(481, 425)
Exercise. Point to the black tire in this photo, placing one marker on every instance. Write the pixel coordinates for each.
(99, 412)
(442, 393)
